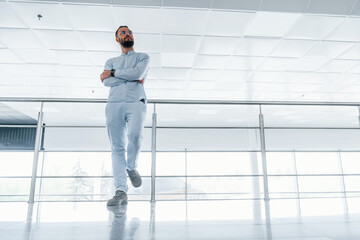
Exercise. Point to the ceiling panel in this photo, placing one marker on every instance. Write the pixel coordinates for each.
(7, 56)
(304, 77)
(256, 46)
(146, 42)
(53, 15)
(244, 63)
(309, 64)
(187, 3)
(283, 5)
(211, 45)
(53, 39)
(92, 18)
(197, 94)
(177, 59)
(346, 78)
(211, 62)
(14, 38)
(338, 66)
(155, 60)
(272, 52)
(221, 23)
(96, 41)
(356, 10)
(78, 71)
(180, 44)
(320, 77)
(228, 85)
(99, 58)
(39, 55)
(348, 31)
(342, 7)
(206, 75)
(271, 24)
(233, 75)
(313, 27)
(169, 84)
(352, 53)
(73, 57)
(263, 76)
(329, 49)
(198, 85)
(18, 69)
(292, 48)
(129, 16)
(175, 73)
(236, 4)
(185, 21)
(9, 18)
(154, 73)
(276, 64)
(355, 69)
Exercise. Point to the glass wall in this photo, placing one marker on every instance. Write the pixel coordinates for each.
(203, 152)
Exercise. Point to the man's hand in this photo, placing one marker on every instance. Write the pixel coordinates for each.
(105, 74)
(141, 81)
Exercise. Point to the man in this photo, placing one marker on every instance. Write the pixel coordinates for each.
(125, 111)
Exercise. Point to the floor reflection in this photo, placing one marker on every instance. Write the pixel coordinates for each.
(230, 219)
(120, 228)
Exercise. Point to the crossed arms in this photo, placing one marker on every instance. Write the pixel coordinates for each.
(136, 73)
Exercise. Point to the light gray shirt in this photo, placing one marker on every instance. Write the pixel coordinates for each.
(129, 68)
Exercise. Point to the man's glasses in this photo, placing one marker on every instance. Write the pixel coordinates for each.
(124, 33)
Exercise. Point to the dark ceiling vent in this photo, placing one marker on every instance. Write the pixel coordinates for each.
(17, 138)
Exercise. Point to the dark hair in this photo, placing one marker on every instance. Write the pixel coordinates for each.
(118, 30)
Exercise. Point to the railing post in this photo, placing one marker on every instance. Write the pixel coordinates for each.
(153, 154)
(263, 155)
(36, 154)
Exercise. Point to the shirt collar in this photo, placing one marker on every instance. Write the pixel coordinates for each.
(129, 53)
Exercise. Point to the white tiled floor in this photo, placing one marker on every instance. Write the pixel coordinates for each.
(230, 219)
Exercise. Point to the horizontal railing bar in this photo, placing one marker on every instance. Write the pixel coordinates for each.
(198, 127)
(164, 101)
(206, 176)
(195, 151)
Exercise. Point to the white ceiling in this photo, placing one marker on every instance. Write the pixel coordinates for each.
(296, 50)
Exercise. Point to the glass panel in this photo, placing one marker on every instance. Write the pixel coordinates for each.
(222, 163)
(312, 139)
(13, 212)
(85, 189)
(310, 116)
(321, 207)
(80, 114)
(245, 187)
(284, 208)
(208, 140)
(352, 183)
(351, 162)
(170, 164)
(168, 188)
(86, 164)
(353, 205)
(84, 139)
(19, 113)
(321, 184)
(15, 186)
(206, 115)
(310, 163)
(282, 184)
(280, 163)
(16, 163)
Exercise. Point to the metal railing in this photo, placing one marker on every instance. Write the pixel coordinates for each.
(154, 128)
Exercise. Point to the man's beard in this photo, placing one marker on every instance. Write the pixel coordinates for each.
(127, 44)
